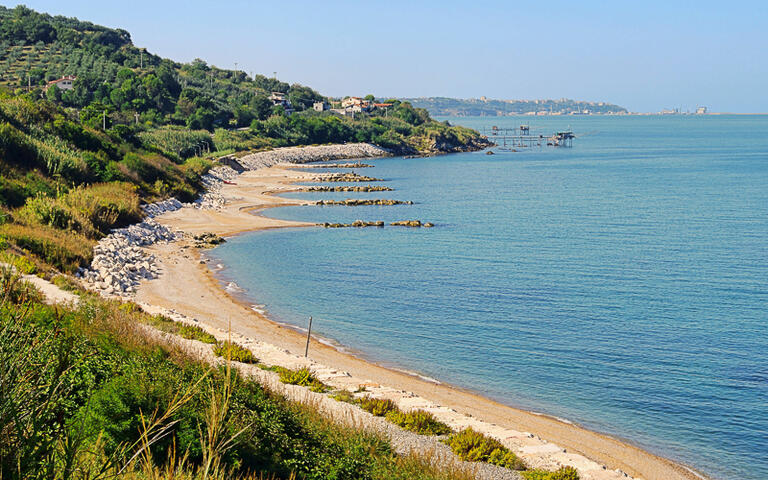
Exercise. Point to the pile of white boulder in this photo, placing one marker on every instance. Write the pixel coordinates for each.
(119, 263)
(158, 208)
(320, 153)
(212, 199)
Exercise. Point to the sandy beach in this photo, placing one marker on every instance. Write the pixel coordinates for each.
(188, 286)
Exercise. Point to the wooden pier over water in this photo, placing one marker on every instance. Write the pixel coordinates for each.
(521, 137)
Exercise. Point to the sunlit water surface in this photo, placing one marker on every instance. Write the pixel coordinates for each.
(621, 284)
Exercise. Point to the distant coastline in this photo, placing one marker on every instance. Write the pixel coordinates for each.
(444, 106)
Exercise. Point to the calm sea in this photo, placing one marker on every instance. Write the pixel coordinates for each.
(621, 284)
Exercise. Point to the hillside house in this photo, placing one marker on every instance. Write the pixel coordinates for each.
(279, 98)
(64, 83)
(320, 106)
(357, 102)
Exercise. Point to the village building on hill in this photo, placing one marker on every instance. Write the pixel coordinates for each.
(64, 83)
(321, 106)
(281, 99)
(356, 103)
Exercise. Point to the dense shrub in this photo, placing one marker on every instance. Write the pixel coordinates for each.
(418, 421)
(176, 141)
(197, 166)
(377, 406)
(302, 377)
(564, 473)
(234, 352)
(473, 446)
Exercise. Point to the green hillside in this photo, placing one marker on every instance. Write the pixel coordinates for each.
(143, 91)
(136, 127)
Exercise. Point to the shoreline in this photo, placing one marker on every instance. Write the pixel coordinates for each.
(194, 290)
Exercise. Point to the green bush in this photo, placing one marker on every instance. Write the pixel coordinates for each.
(44, 210)
(193, 332)
(564, 473)
(473, 446)
(234, 352)
(419, 421)
(23, 265)
(302, 377)
(377, 406)
(344, 396)
(197, 165)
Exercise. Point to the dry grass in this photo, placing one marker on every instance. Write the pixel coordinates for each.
(91, 211)
(65, 251)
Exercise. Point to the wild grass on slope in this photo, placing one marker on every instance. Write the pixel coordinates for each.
(65, 251)
(90, 393)
(91, 211)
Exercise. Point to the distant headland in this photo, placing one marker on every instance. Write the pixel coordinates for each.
(444, 106)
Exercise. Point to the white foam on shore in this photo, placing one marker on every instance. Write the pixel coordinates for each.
(418, 375)
(259, 309)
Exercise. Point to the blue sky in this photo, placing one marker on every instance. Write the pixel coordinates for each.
(643, 55)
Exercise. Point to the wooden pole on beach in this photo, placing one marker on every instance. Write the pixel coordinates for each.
(309, 332)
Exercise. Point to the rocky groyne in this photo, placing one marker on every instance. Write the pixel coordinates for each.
(349, 188)
(344, 177)
(412, 223)
(359, 202)
(379, 223)
(312, 154)
(153, 209)
(355, 224)
(339, 165)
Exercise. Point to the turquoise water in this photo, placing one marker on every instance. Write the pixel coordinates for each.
(621, 284)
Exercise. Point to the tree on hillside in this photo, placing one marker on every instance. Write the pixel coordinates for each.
(302, 98)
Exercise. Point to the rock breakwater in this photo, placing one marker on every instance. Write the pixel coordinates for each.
(344, 177)
(349, 188)
(339, 165)
(412, 223)
(312, 154)
(357, 202)
(379, 223)
(153, 209)
(355, 224)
